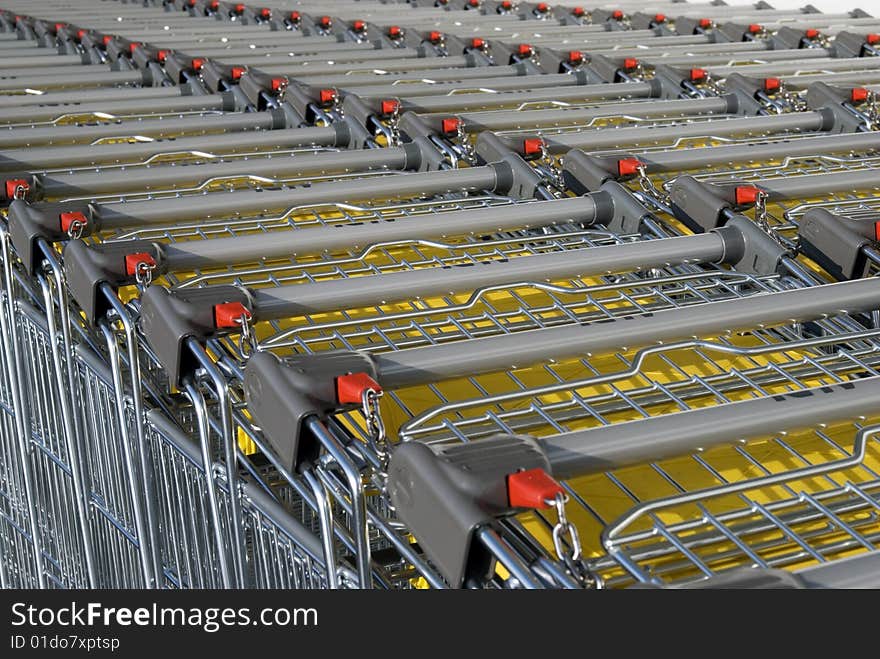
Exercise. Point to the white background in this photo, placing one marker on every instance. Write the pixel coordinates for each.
(870, 6)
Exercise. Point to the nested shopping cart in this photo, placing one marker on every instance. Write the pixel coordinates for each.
(256, 347)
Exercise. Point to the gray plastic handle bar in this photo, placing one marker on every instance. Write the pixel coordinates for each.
(190, 255)
(357, 292)
(40, 158)
(446, 361)
(165, 127)
(172, 210)
(601, 139)
(655, 438)
(159, 177)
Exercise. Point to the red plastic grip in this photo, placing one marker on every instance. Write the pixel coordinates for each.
(533, 146)
(754, 28)
(450, 125)
(542, 7)
(705, 23)
(236, 72)
(698, 74)
(265, 12)
(239, 8)
(327, 96)
(229, 314)
(358, 26)
(197, 63)
(389, 107)
(578, 11)
(278, 84)
(575, 57)
(812, 33)
(859, 95)
(395, 32)
(350, 388)
(435, 36)
(876, 230)
(746, 195)
(70, 218)
(13, 184)
(325, 21)
(478, 43)
(872, 39)
(525, 50)
(660, 18)
(295, 17)
(134, 261)
(617, 14)
(772, 84)
(532, 488)
(630, 63)
(628, 166)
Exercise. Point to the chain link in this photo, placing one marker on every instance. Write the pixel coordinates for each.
(761, 211)
(375, 425)
(466, 149)
(247, 341)
(143, 273)
(75, 230)
(648, 187)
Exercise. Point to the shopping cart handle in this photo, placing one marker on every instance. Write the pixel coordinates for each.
(87, 266)
(281, 395)
(29, 224)
(445, 495)
(837, 243)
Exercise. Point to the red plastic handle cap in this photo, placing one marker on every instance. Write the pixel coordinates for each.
(278, 84)
(395, 32)
(450, 126)
(877, 231)
(162, 55)
(812, 33)
(660, 18)
(198, 63)
(230, 314)
(265, 12)
(133, 262)
(754, 28)
(543, 7)
(107, 39)
(236, 72)
(60, 26)
(350, 388)
(872, 39)
(533, 488)
(525, 50)
(575, 57)
(435, 37)
(772, 84)
(239, 8)
(72, 218)
(215, 5)
(133, 46)
(628, 166)
(506, 4)
(478, 43)
(359, 26)
(533, 146)
(14, 184)
(698, 74)
(80, 34)
(295, 17)
(474, 3)
(630, 63)
(746, 195)
(389, 107)
(617, 14)
(705, 23)
(859, 95)
(578, 11)
(327, 96)
(325, 21)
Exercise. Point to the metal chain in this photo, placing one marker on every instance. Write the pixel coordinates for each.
(143, 273)
(394, 126)
(648, 187)
(467, 150)
(565, 533)
(247, 341)
(375, 425)
(75, 230)
(761, 211)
